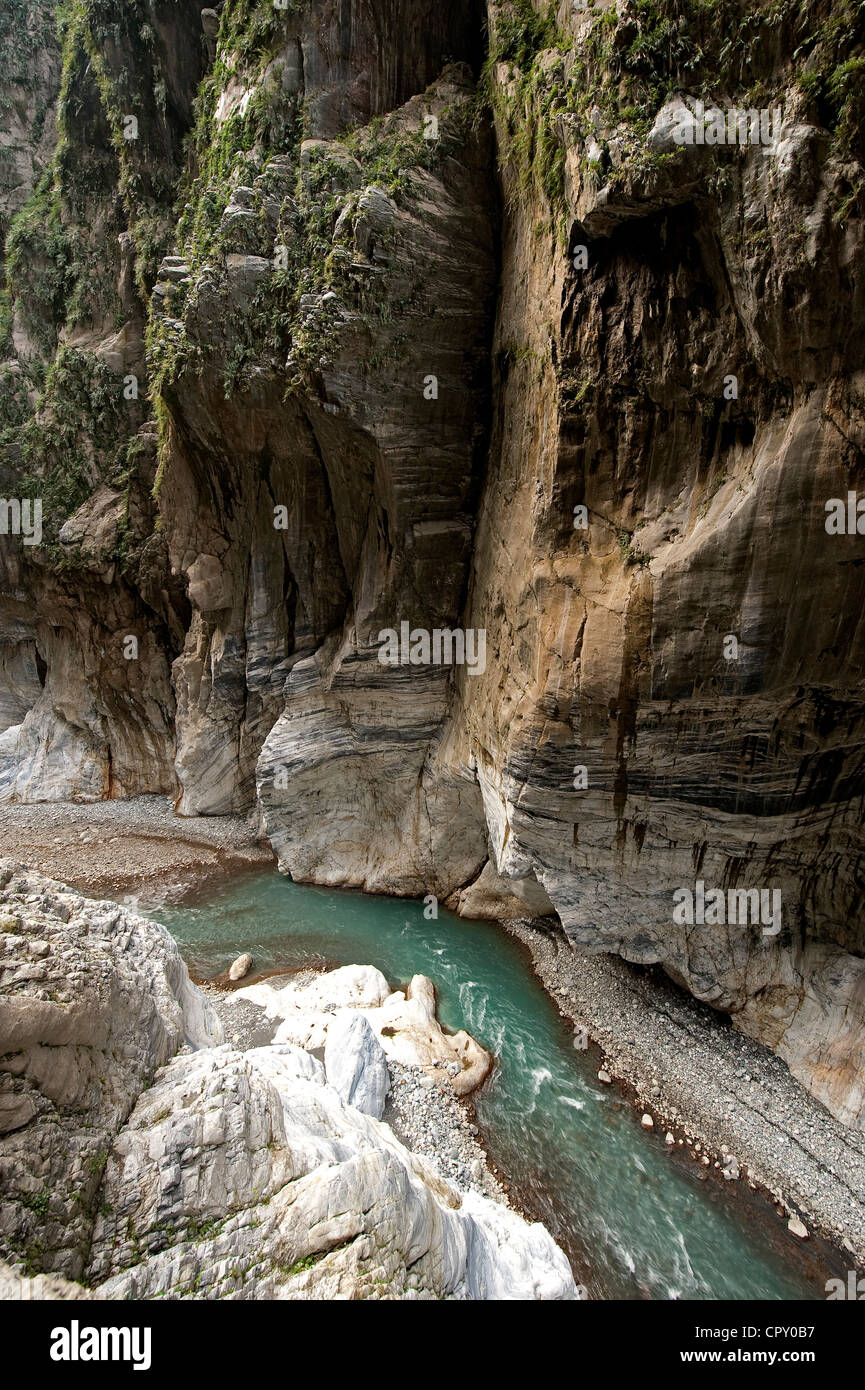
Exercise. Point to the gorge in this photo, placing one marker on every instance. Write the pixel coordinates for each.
(331, 319)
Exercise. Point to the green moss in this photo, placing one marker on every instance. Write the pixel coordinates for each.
(14, 404)
(300, 1266)
(27, 29)
(6, 345)
(78, 435)
(619, 70)
(630, 554)
(33, 1257)
(38, 264)
(523, 39)
(163, 419)
(521, 32)
(38, 1203)
(257, 144)
(204, 1228)
(63, 262)
(97, 1162)
(519, 355)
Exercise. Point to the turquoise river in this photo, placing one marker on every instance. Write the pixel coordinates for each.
(636, 1221)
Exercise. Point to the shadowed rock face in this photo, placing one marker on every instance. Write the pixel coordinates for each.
(670, 338)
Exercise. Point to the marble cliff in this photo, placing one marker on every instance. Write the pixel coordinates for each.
(327, 317)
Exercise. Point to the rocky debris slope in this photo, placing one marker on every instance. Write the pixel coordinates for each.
(142, 1156)
(464, 340)
(429, 1120)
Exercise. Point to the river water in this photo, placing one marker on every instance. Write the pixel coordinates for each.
(636, 1221)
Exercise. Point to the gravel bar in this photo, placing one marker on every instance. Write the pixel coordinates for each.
(137, 847)
(727, 1098)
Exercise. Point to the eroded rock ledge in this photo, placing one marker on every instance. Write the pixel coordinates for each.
(142, 1156)
(404, 1022)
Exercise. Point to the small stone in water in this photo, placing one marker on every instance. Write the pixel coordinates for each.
(240, 967)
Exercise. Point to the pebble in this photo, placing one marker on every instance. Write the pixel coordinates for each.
(431, 1121)
(240, 967)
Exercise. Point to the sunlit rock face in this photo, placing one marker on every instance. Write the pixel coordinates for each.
(492, 352)
(143, 1156)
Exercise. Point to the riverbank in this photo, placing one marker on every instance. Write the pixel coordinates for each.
(139, 1167)
(720, 1095)
(726, 1100)
(135, 847)
(427, 1117)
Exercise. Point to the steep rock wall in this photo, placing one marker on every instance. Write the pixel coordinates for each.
(583, 291)
(705, 519)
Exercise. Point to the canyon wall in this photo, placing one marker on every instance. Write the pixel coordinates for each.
(381, 316)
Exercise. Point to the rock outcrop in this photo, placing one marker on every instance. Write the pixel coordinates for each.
(94, 1001)
(469, 342)
(294, 1194)
(355, 1063)
(141, 1157)
(404, 1023)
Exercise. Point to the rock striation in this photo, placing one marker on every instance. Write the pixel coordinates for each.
(453, 331)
